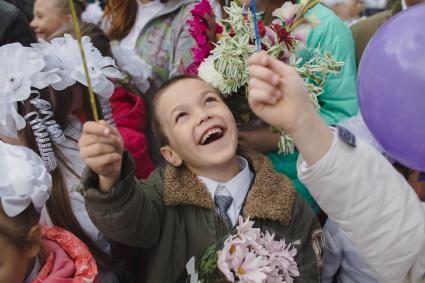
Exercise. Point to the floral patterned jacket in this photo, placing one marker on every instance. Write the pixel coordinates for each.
(69, 260)
(165, 42)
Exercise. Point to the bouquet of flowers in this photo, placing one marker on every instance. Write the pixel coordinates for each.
(247, 256)
(224, 46)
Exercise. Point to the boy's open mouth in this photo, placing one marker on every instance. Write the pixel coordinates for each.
(212, 135)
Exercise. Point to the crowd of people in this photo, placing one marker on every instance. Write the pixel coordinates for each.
(165, 172)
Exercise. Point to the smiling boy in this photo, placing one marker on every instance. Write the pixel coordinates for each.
(195, 201)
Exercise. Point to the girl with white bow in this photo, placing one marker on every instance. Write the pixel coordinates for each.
(26, 118)
(32, 252)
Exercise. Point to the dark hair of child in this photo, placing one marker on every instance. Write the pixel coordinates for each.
(156, 126)
(58, 205)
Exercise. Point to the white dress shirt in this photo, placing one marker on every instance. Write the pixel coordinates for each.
(145, 13)
(237, 187)
(373, 205)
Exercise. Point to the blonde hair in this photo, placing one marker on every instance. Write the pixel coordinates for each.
(63, 7)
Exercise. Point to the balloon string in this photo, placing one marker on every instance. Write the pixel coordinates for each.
(83, 56)
(256, 30)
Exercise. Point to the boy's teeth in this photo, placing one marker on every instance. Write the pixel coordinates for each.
(211, 132)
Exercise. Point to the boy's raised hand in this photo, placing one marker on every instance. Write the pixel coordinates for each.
(101, 147)
(277, 94)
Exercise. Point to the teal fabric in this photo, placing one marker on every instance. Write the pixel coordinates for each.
(339, 100)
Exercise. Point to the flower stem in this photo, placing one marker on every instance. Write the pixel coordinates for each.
(299, 18)
(83, 56)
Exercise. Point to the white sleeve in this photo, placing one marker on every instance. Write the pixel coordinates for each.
(372, 204)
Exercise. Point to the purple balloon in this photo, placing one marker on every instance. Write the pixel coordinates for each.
(391, 87)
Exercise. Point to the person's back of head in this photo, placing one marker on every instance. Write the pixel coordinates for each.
(14, 26)
(20, 243)
(26, 6)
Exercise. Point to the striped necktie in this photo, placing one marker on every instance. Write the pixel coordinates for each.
(223, 200)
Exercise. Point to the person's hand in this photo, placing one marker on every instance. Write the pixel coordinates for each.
(261, 140)
(101, 147)
(277, 94)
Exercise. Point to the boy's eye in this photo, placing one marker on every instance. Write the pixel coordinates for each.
(180, 115)
(210, 99)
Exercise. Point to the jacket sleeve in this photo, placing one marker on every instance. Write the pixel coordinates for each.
(130, 115)
(183, 42)
(333, 253)
(308, 239)
(132, 212)
(372, 204)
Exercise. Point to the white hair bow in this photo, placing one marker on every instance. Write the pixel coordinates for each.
(63, 54)
(23, 179)
(131, 63)
(92, 14)
(20, 69)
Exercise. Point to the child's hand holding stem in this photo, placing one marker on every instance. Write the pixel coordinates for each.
(278, 95)
(101, 147)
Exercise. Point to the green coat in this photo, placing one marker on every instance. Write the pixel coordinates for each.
(339, 100)
(172, 214)
(364, 30)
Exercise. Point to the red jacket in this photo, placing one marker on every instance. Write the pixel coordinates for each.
(130, 115)
(69, 260)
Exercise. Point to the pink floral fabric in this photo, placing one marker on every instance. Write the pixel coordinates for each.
(69, 260)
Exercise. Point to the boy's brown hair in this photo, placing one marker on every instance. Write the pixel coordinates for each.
(159, 134)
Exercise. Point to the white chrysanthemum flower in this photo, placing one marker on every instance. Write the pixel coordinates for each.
(20, 69)
(208, 73)
(92, 14)
(63, 54)
(131, 63)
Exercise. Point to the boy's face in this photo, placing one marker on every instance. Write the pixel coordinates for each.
(200, 128)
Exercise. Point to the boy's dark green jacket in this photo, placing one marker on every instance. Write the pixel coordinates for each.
(172, 214)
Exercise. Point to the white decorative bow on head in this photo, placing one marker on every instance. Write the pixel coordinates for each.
(23, 179)
(131, 63)
(92, 14)
(63, 54)
(20, 69)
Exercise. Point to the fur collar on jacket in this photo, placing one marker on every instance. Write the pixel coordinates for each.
(271, 196)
